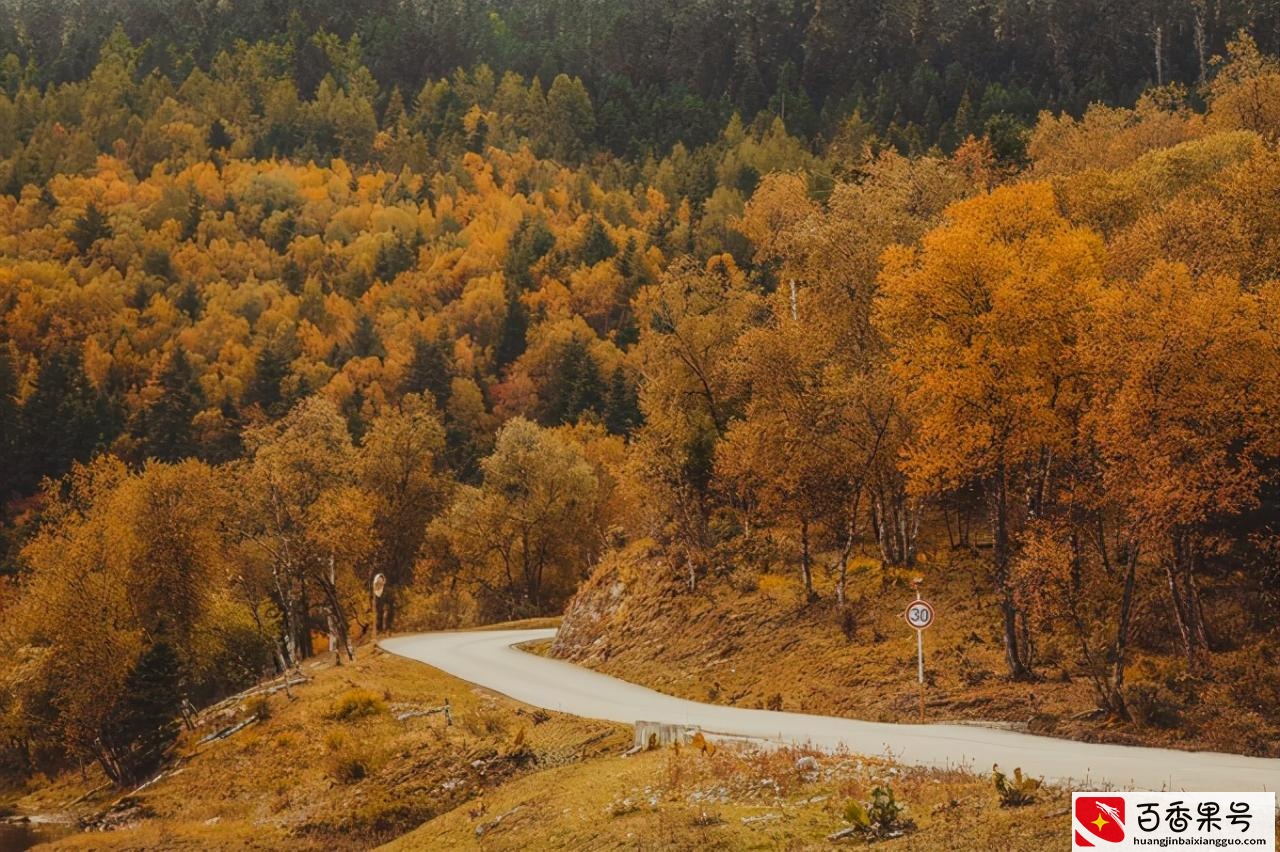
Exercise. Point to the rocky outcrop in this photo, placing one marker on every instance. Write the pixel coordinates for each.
(619, 600)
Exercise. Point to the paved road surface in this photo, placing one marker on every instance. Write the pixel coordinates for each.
(488, 659)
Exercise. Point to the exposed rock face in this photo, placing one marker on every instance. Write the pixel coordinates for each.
(630, 605)
(591, 615)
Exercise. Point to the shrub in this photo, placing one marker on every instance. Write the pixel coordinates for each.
(349, 758)
(258, 706)
(885, 810)
(855, 613)
(1255, 682)
(775, 586)
(481, 723)
(848, 623)
(348, 766)
(356, 704)
(1016, 791)
(882, 817)
(437, 610)
(972, 672)
(376, 816)
(1151, 704)
(745, 581)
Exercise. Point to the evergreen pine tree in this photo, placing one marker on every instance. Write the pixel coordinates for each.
(393, 115)
(189, 301)
(597, 246)
(9, 420)
(218, 440)
(164, 426)
(515, 329)
(64, 420)
(144, 728)
(219, 138)
(195, 210)
(622, 406)
(429, 370)
(394, 256)
(89, 228)
(529, 244)
(365, 340)
(574, 387)
(270, 369)
(353, 411)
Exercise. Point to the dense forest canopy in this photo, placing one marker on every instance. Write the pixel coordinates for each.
(662, 71)
(471, 295)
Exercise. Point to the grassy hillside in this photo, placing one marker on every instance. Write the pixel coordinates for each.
(684, 799)
(333, 768)
(338, 766)
(755, 641)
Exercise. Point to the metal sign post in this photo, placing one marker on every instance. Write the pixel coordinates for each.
(920, 656)
(378, 586)
(919, 615)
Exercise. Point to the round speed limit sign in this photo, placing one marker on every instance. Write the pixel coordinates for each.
(920, 614)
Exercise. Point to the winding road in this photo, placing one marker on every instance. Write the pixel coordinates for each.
(489, 659)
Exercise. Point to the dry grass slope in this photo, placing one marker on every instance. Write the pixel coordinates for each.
(335, 768)
(753, 641)
(345, 765)
(790, 799)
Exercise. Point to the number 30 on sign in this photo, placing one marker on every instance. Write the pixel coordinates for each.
(919, 614)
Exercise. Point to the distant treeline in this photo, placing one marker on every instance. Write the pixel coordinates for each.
(666, 71)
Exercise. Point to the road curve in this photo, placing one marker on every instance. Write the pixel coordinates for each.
(488, 659)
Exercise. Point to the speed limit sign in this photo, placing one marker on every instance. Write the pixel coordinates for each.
(919, 614)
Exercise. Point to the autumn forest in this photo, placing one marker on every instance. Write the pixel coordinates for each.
(477, 301)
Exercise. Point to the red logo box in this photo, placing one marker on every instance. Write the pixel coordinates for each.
(1102, 816)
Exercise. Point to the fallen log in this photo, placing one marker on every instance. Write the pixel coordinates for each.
(271, 687)
(228, 731)
(486, 827)
(427, 711)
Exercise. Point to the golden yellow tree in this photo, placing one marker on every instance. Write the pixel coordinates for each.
(690, 322)
(401, 467)
(984, 321)
(1187, 369)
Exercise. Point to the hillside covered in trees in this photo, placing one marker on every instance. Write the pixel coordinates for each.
(483, 296)
(661, 72)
